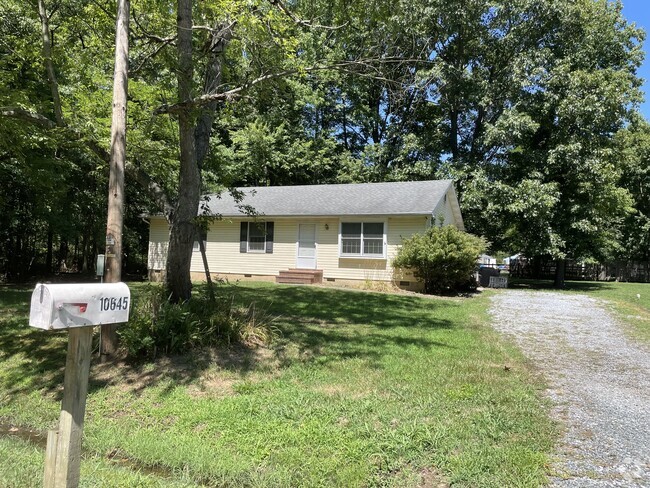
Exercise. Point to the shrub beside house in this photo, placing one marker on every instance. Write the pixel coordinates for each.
(443, 258)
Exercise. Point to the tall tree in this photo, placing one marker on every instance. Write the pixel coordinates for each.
(115, 214)
(633, 149)
(538, 89)
(197, 113)
(182, 232)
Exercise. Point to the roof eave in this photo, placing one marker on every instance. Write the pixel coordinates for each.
(325, 216)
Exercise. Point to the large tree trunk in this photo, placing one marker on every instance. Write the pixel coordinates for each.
(49, 65)
(453, 134)
(84, 253)
(181, 238)
(345, 128)
(560, 268)
(219, 40)
(56, 99)
(115, 217)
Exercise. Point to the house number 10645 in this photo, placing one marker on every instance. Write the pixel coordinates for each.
(112, 303)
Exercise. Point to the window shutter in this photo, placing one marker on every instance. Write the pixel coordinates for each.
(269, 238)
(243, 237)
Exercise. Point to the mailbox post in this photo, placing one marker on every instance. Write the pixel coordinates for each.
(78, 308)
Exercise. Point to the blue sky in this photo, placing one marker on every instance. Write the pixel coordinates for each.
(638, 11)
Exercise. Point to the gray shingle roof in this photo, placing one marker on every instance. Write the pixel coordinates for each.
(398, 198)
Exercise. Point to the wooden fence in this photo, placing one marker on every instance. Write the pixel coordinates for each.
(637, 271)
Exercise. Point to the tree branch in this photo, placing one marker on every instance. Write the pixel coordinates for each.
(146, 181)
(153, 54)
(234, 93)
(27, 116)
(148, 35)
(301, 22)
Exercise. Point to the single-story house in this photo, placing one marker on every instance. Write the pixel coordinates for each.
(341, 233)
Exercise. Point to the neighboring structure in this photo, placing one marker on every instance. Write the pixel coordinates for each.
(511, 260)
(486, 260)
(334, 232)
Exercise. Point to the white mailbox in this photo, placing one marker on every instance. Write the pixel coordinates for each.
(498, 282)
(78, 305)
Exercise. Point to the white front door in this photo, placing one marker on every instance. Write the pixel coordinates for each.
(306, 246)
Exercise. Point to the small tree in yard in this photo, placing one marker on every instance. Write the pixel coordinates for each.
(443, 257)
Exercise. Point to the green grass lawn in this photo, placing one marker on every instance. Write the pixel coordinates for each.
(631, 301)
(359, 389)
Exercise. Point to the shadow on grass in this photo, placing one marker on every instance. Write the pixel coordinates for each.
(316, 325)
(323, 325)
(31, 359)
(15, 297)
(341, 306)
(584, 286)
(323, 347)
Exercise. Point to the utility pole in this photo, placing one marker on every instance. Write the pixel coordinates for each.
(115, 219)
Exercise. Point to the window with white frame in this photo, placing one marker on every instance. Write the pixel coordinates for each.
(363, 239)
(256, 237)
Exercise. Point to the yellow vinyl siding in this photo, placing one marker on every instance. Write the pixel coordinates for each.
(444, 210)
(222, 248)
(334, 266)
(158, 243)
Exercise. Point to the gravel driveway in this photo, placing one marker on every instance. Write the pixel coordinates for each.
(598, 379)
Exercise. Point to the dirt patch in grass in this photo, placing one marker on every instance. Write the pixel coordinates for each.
(32, 436)
(431, 478)
(213, 387)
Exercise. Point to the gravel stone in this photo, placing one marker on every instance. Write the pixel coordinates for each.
(599, 384)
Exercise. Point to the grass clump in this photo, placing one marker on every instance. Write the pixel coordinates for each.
(158, 326)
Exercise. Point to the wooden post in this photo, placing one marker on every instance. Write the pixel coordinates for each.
(73, 408)
(208, 278)
(115, 218)
(50, 459)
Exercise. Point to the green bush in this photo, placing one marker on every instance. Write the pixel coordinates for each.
(157, 326)
(443, 257)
